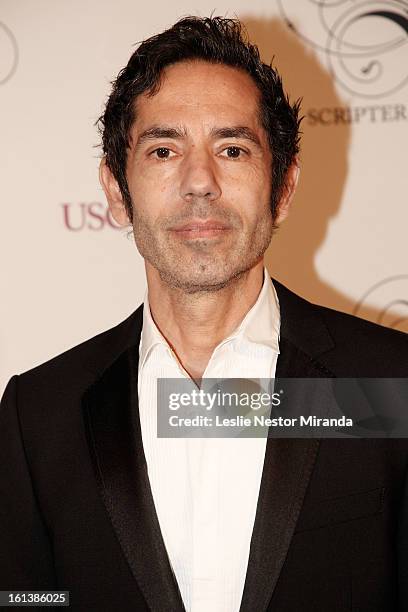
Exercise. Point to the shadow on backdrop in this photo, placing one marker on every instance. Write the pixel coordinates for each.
(324, 168)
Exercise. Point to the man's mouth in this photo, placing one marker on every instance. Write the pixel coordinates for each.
(201, 229)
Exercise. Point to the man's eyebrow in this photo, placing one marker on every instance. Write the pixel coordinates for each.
(236, 132)
(163, 131)
(160, 131)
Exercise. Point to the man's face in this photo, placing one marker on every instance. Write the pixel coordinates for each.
(199, 175)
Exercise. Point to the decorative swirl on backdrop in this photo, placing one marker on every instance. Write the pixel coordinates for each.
(366, 41)
(8, 54)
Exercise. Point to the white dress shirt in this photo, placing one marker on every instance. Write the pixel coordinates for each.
(205, 490)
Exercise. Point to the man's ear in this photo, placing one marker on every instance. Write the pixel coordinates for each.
(288, 192)
(113, 194)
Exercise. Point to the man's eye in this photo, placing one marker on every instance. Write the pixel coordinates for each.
(233, 152)
(162, 153)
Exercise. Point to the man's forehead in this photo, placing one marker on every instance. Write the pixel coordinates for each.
(202, 84)
(216, 96)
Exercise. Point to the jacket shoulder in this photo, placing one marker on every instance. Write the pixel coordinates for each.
(353, 346)
(83, 362)
(366, 344)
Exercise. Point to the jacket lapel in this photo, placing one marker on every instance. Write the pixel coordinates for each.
(113, 431)
(288, 462)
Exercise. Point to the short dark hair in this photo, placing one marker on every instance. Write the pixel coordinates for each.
(216, 40)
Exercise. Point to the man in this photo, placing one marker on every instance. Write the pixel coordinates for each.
(200, 155)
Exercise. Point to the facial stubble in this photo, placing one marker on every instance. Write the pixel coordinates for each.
(201, 264)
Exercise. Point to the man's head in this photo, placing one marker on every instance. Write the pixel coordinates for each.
(200, 147)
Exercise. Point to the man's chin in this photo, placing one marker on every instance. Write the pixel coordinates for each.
(199, 281)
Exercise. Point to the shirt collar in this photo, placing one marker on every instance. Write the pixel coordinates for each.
(151, 335)
(261, 324)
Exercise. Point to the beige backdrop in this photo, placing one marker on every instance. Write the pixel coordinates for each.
(69, 273)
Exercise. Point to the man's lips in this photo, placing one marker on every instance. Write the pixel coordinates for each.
(200, 229)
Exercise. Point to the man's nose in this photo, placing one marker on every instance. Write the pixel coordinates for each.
(199, 178)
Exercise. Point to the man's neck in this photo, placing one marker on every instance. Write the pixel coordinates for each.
(195, 323)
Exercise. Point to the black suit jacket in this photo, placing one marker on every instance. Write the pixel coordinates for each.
(77, 514)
